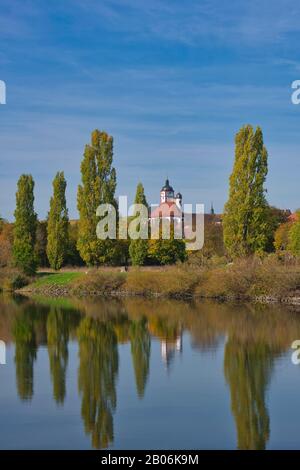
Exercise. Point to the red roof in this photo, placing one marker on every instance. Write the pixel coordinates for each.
(166, 209)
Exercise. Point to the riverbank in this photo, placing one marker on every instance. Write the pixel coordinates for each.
(250, 279)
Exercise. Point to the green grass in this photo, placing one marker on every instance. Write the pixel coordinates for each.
(59, 279)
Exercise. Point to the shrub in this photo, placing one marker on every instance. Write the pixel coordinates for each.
(282, 237)
(294, 236)
(98, 282)
(232, 280)
(11, 280)
(172, 282)
(275, 279)
(166, 252)
(251, 277)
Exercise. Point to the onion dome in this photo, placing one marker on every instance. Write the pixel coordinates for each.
(167, 186)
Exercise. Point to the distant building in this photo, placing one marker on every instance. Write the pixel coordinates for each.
(169, 209)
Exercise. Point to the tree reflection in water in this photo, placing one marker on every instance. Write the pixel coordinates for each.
(248, 370)
(57, 340)
(25, 353)
(140, 351)
(98, 369)
(255, 336)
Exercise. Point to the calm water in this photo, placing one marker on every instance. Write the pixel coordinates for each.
(148, 374)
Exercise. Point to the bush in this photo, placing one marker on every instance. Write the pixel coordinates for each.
(197, 259)
(232, 280)
(251, 277)
(164, 252)
(172, 282)
(275, 279)
(294, 236)
(12, 280)
(6, 240)
(98, 282)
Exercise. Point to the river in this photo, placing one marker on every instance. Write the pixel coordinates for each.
(148, 374)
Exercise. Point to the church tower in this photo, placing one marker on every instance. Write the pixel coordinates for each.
(178, 200)
(167, 193)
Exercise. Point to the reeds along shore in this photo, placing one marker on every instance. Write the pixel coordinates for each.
(253, 279)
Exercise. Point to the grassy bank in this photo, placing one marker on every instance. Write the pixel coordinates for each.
(172, 282)
(248, 279)
(57, 279)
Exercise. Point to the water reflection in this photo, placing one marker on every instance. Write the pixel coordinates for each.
(98, 369)
(248, 370)
(140, 352)
(254, 337)
(57, 340)
(25, 352)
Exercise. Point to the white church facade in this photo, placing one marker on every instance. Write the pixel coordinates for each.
(169, 209)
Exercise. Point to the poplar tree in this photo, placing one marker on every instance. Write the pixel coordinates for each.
(58, 224)
(97, 187)
(138, 249)
(245, 219)
(25, 226)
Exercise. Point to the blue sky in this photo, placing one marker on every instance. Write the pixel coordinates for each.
(171, 80)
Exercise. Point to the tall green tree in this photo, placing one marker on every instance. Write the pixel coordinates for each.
(97, 187)
(246, 211)
(58, 223)
(73, 256)
(140, 197)
(25, 226)
(138, 249)
(41, 243)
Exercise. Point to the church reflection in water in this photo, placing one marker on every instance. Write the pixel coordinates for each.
(170, 348)
(254, 337)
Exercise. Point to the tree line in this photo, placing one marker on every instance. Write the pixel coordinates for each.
(59, 241)
(249, 224)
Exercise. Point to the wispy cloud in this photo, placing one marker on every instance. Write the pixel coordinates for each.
(191, 22)
(171, 80)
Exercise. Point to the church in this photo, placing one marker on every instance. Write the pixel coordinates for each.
(170, 207)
